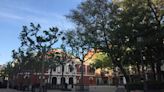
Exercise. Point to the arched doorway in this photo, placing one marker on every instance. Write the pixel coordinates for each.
(70, 80)
(54, 80)
(90, 80)
(62, 80)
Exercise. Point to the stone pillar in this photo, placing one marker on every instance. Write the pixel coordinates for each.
(74, 80)
(58, 80)
(124, 80)
(67, 80)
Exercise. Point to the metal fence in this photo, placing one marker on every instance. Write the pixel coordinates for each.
(82, 88)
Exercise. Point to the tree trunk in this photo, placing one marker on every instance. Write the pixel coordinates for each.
(124, 73)
(153, 70)
(138, 70)
(50, 77)
(122, 70)
(62, 76)
(42, 75)
(82, 76)
(31, 76)
(158, 67)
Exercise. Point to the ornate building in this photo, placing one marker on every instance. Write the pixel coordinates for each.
(67, 71)
(71, 74)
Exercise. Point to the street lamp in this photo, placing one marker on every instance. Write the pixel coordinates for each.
(140, 41)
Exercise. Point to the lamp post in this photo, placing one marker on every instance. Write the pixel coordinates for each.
(140, 41)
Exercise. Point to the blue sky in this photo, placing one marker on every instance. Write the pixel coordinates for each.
(16, 13)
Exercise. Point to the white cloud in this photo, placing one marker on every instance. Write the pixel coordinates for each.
(10, 16)
(32, 15)
(32, 11)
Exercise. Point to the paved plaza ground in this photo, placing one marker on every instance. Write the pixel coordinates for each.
(92, 89)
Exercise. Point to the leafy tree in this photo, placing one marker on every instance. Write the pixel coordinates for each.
(9, 71)
(115, 28)
(77, 43)
(101, 60)
(39, 41)
(145, 21)
(156, 7)
(23, 61)
(99, 24)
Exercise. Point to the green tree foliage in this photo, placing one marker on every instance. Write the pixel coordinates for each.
(99, 25)
(101, 61)
(114, 28)
(39, 41)
(78, 44)
(146, 21)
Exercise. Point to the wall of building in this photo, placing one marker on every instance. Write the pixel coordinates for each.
(55, 75)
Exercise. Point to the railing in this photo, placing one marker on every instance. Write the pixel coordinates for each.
(81, 88)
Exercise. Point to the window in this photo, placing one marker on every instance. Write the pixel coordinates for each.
(54, 80)
(62, 80)
(71, 68)
(71, 80)
(62, 68)
(54, 69)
